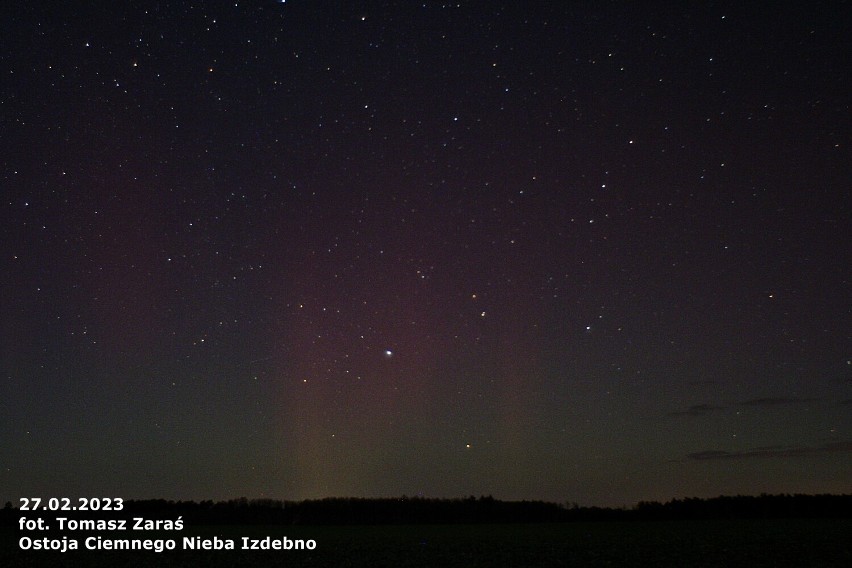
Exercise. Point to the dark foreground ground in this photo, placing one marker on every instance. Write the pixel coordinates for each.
(746, 543)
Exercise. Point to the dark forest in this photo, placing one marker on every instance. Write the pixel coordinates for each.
(470, 510)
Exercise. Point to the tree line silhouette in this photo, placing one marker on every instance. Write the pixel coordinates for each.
(470, 510)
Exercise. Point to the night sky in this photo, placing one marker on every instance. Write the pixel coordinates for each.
(591, 252)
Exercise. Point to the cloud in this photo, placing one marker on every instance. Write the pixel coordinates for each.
(697, 410)
(776, 401)
(710, 455)
(703, 383)
(773, 452)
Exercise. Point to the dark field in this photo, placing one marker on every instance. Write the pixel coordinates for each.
(683, 543)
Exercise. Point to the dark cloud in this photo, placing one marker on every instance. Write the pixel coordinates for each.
(697, 410)
(703, 383)
(709, 455)
(776, 401)
(773, 452)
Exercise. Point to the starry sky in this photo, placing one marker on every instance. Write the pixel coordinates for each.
(591, 252)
